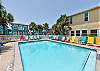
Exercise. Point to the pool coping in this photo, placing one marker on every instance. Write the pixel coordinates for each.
(17, 63)
(79, 45)
(74, 44)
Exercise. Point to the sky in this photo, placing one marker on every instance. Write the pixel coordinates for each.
(41, 11)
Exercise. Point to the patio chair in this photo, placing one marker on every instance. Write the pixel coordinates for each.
(63, 38)
(50, 36)
(35, 37)
(54, 37)
(38, 37)
(22, 38)
(59, 38)
(67, 39)
(90, 40)
(26, 38)
(72, 40)
(97, 43)
(76, 40)
(83, 40)
(31, 37)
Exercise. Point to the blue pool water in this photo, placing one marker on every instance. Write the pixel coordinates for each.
(52, 56)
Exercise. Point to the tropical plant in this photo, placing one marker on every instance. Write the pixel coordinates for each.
(45, 26)
(5, 17)
(61, 25)
(55, 29)
(40, 28)
(3, 14)
(10, 18)
(33, 26)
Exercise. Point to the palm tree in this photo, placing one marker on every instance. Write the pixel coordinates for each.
(67, 26)
(10, 18)
(45, 27)
(33, 26)
(5, 17)
(40, 29)
(62, 25)
(55, 29)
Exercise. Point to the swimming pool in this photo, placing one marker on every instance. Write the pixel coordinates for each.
(53, 56)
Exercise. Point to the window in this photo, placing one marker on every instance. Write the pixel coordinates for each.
(94, 32)
(84, 32)
(70, 20)
(20, 27)
(78, 33)
(25, 28)
(15, 27)
(86, 16)
(72, 33)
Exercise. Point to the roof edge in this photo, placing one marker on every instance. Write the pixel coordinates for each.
(18, 23)
(84, 11)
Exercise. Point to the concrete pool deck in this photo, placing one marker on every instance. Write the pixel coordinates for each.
(10, 57)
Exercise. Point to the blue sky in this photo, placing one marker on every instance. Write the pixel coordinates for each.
(41, 11)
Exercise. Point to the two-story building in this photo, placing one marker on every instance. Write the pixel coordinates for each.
(86, 22)
(17, 29)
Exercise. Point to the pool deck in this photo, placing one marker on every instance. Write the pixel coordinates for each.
(10, 57)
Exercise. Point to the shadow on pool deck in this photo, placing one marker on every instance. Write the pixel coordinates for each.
(3, 49)
(6, 58)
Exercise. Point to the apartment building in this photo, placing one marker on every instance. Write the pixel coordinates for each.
(15, 29)
(86, 22)
(18, 28)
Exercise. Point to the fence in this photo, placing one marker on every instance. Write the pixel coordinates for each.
(8, 38)
(17, 37)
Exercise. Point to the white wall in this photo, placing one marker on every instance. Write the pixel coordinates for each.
(98, 32)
